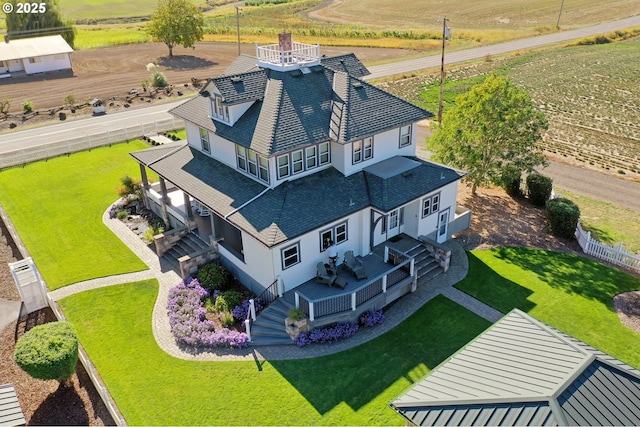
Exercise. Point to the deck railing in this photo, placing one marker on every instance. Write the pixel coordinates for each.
(333, 304)
(300, 53)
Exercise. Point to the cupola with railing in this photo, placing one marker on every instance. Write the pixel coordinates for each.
(287, 55)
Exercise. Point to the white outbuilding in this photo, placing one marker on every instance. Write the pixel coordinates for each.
(34, 55)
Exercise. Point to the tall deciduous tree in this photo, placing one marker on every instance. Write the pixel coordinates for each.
(44, 19)
(176, 22)
(493, 130)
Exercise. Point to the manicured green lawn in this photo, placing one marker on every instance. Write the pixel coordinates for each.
(57, 208)
(349, 388)
(569, 292)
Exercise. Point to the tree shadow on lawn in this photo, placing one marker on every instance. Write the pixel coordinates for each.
(573, 274)
(484, 284)
(359, 375)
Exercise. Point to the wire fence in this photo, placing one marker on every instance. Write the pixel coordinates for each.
(614, 254)
(87, 142)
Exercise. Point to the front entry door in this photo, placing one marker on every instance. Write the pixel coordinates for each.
(443, 225)
(394, 223)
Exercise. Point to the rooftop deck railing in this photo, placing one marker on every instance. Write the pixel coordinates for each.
(316, 308)
(299, 54)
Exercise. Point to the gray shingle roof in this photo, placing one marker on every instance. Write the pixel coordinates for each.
(241, 88)
(523, 372)
(217, 185)
(348, 63)
(294, 109)
(293, 208)
(242, 64)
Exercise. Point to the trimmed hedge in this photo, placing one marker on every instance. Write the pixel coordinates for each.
(563, 216)
(510, 181)
(539, 188)
(213, 277)
(48, 352)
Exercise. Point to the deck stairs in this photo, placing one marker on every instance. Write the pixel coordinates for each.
(425, 264)
(268, 329)
(189, 244)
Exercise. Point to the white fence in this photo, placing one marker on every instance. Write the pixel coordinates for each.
(613, 254)
(61, 148)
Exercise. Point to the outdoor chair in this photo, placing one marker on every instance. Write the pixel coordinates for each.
(354, 265)
(324, 276)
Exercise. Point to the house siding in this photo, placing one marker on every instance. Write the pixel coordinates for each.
(47, 63)
(311, 255)
(427, 226)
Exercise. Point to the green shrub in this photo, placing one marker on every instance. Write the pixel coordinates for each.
(296, 314)
(130, 187)
(227, 319)
(122, 214)
(227, 301)
(158, 79)
(69, 100)
(539, 188)
(151, 232)
(5, 104)
(510, 181)
(27, 106)
(563, 216)
(213, 277)
(48, 352)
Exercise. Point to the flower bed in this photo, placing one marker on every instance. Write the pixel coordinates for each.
(189, 324)
(335, 333)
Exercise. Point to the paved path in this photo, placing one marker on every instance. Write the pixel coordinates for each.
(167, 278)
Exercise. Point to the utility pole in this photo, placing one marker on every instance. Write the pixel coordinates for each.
(558, 23)
(445, 34)
(238, 27)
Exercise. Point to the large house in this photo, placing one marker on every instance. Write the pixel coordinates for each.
(34, 55)
(290, 150)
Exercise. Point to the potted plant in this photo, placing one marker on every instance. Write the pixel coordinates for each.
(296, 322)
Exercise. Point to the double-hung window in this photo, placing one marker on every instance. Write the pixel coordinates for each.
(290, 255)
(311, 161)
(430, 205)
(362, 150)
(204, 140)
(251, 162)
(337, 233)
(283, 166)
(220, 110)
(357, 151)
(323, 150)
(297, 164)
(405, 136)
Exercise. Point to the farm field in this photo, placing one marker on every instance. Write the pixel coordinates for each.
(588, 93)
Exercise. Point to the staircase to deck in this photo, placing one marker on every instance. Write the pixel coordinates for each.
(268, 329)
(426, 266)
(189, 244)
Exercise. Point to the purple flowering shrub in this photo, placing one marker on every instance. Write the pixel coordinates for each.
(371, 318)
(188, 322)
(322, 335)
(241, 312)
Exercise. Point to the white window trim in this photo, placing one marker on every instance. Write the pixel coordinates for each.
(245, 158)
(297, 253)
(407, 136)
(288, 165)
(333, 237)
(204, 140)
(219, 111)
(431, 210)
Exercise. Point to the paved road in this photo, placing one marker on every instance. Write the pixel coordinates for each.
(497, 49)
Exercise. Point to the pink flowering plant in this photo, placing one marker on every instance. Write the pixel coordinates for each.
(189, 324)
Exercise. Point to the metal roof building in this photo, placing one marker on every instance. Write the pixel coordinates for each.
(524, 372)
(34, 55)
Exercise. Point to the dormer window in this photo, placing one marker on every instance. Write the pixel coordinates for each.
(251, 162)
(218, 109)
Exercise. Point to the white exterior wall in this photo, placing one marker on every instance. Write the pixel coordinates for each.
(448, 195)
(11, 66)
(221, 149)
(338, 156)
(311, 255)
(257, 270)
(236, 111)
(48, 63)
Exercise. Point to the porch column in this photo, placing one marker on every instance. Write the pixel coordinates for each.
(145, 185)
(191, 222)
(165, 200)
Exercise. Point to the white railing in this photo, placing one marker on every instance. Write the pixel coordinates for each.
(300, 53)
(330, 305)
(251, 317)
(613, 254)
(61, 148)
